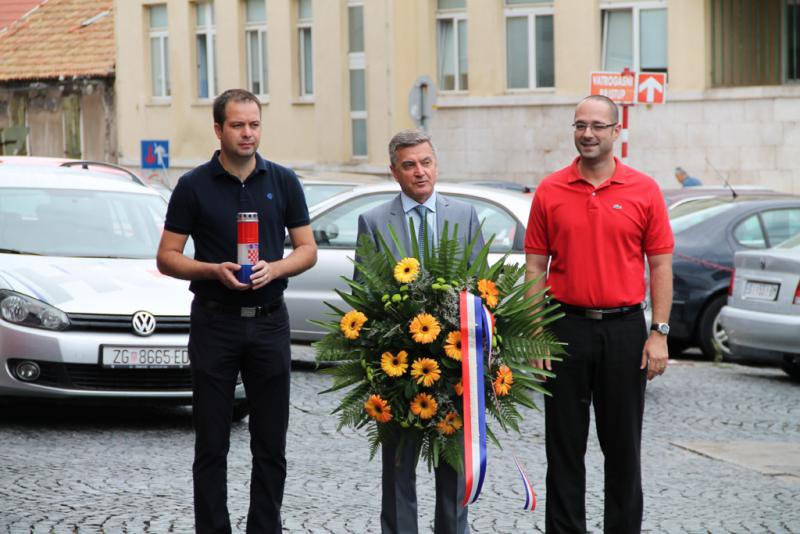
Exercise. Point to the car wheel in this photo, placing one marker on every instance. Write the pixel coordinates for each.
(240, 410)
(791, 367)
(710, 332)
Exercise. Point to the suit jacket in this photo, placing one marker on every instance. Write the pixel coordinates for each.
(378, 219)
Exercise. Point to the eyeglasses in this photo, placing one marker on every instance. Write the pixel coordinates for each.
(596, 127)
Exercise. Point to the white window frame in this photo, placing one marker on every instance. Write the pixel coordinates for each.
(455, 16)
(209, 31)
(260, 28)
(162, 36)
(636, 8)
(358, 61)
(303, 26)
(531, 13)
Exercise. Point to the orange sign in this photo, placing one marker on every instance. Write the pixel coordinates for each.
(652, 88)
(618, 87)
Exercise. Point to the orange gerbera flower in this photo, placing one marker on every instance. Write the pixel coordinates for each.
(424, 328)
(488, 291)
(450, 424)
(452, 346)
(351, 324)
(394, 365)
(459, 388)
(424, 406)
(378, 409)
(502, 384)
(406, 270)
(426, 371)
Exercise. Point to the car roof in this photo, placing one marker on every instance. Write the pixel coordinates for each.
(47, 176)
(516, 201)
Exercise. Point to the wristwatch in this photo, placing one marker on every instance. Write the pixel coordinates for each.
(661, 328)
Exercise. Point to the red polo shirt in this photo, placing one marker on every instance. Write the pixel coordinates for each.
(597, 237)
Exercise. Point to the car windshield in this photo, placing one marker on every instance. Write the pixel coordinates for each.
(695, 212)
(316, 193)
(792, 242)
(66, 222)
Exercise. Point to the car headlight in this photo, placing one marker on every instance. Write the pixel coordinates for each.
(21, 309)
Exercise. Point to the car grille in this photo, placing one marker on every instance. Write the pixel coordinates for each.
(94, 377)
(122, 323)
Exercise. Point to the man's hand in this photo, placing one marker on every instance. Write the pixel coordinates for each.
(655, 355)
(263, 274)
(226, 273)
(542, 363)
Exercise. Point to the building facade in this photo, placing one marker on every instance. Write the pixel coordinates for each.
(338, 77)
(57, 80)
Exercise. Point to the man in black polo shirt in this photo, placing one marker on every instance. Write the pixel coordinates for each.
(236, 327)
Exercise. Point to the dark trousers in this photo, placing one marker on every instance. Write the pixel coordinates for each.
(399, 497)
(601, 367)
(222, 345)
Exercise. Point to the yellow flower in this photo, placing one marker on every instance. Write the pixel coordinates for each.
(502, 384)
(424, 406)
(459, 388)
(378, 409)
(424, 328)
(452, 346)
(426, 371)
(394, 365)
(351, 324)
(488, 291)
(406, 270)
(450, 424)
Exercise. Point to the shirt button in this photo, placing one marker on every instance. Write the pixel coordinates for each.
(594, 194)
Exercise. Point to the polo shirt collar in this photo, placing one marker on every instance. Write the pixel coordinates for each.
(218, 170)
(619, 176)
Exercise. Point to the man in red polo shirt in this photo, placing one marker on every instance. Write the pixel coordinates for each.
(595, 221)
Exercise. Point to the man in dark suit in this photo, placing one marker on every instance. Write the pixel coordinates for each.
(414, 165)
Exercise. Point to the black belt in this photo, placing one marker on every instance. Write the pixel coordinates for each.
(599, 314)
(241, 311)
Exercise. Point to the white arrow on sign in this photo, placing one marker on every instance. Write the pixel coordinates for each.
(161, 152)
(651, 86)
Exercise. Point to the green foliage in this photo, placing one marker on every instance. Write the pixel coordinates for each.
(390, 303)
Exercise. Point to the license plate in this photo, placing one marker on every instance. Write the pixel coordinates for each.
(761, 290)
(145, 357)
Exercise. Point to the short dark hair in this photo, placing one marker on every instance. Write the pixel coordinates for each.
(235, 95)
(612, 107)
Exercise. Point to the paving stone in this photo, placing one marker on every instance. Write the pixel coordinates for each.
(129, 470)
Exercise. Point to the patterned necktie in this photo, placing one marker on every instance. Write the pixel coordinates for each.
(422, 211)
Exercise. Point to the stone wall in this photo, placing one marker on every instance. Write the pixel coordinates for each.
(747, 136)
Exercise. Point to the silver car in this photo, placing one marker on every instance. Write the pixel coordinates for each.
(762, 317)
(84, 313)
(335, 226)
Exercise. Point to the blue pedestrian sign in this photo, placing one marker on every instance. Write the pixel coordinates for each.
(155, 154)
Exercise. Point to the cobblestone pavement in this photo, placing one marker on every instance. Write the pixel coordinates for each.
(129, 470)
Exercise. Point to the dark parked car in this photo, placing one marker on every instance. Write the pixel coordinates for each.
(708, 231)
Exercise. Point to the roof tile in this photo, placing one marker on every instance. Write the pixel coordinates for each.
(51, 42)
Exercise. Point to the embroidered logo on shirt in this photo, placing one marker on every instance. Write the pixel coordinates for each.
(617, 206)
(269, 196)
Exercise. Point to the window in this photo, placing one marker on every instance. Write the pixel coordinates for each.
(451, 30)
(358, 82)
(206, 51)
(338, 228)
(508, 233)
(306, 65)
(635, 36)
(159, 51)
(749, 233)
(255, 36)
(781, 224)
(751, 38)
(530, 59)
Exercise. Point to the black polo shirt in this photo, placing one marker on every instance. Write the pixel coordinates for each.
(204, 205)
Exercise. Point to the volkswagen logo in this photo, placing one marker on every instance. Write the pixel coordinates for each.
(144, 324)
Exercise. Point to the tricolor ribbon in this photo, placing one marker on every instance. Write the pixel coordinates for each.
(476, 340)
